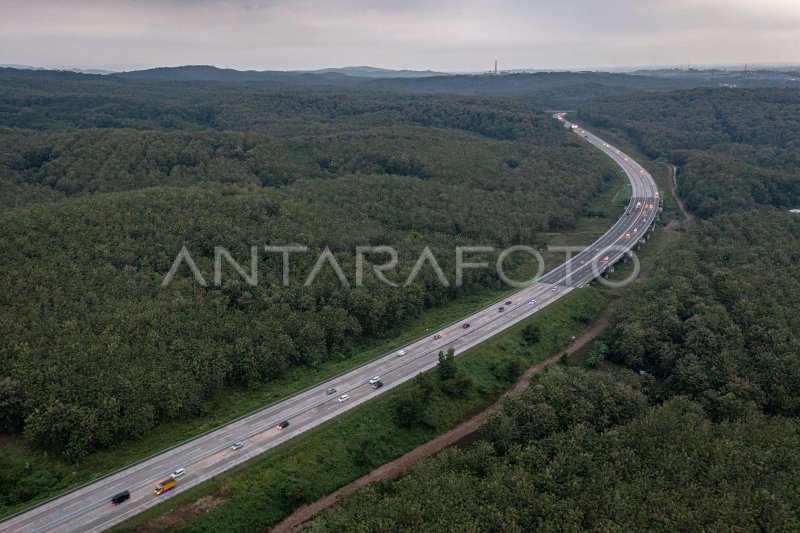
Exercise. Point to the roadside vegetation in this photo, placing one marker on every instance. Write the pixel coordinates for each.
(581, 451)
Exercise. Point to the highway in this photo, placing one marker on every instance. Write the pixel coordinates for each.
(89, 508)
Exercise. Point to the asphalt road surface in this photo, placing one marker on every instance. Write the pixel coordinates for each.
(89, 508)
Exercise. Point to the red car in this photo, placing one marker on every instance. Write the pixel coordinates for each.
(465, 326)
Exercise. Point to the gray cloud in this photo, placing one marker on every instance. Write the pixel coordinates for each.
(443, 35)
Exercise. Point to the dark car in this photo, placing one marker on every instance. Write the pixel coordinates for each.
(508, 302)
(283, 425)
(121, 497)
(377, 385)
(465, 326)
(502, 309)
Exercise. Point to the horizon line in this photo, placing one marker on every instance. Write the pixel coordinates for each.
(687, 67)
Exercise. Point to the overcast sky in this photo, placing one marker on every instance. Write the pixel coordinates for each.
(446, 35)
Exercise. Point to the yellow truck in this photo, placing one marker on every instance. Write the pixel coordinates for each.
(165, 485)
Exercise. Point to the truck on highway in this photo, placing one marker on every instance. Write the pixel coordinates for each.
(165, 485)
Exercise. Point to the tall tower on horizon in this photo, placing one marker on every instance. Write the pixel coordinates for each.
(495, 67)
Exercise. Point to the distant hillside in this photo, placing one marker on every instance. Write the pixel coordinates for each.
(547, 90)
(326, 76)
(374, 72)
(567, 90)
(72, 69)
(211, 73)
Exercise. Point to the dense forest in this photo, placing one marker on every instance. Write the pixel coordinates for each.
(579, 452)
(56, 101)
(703, 433)
(104, 180)
(720, 314)
(735, 149)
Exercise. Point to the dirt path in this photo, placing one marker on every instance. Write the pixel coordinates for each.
(673, 187)
(395, 468)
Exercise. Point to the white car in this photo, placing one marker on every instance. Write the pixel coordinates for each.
(401, 353)
(531, 302)
(343, 398)
(178, 473)
(237, 445)
(374, 379)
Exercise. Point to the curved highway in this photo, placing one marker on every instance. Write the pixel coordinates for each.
(89, 508)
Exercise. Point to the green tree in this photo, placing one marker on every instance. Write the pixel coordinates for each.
(532, 333)
(598, 354)
(447, 365)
